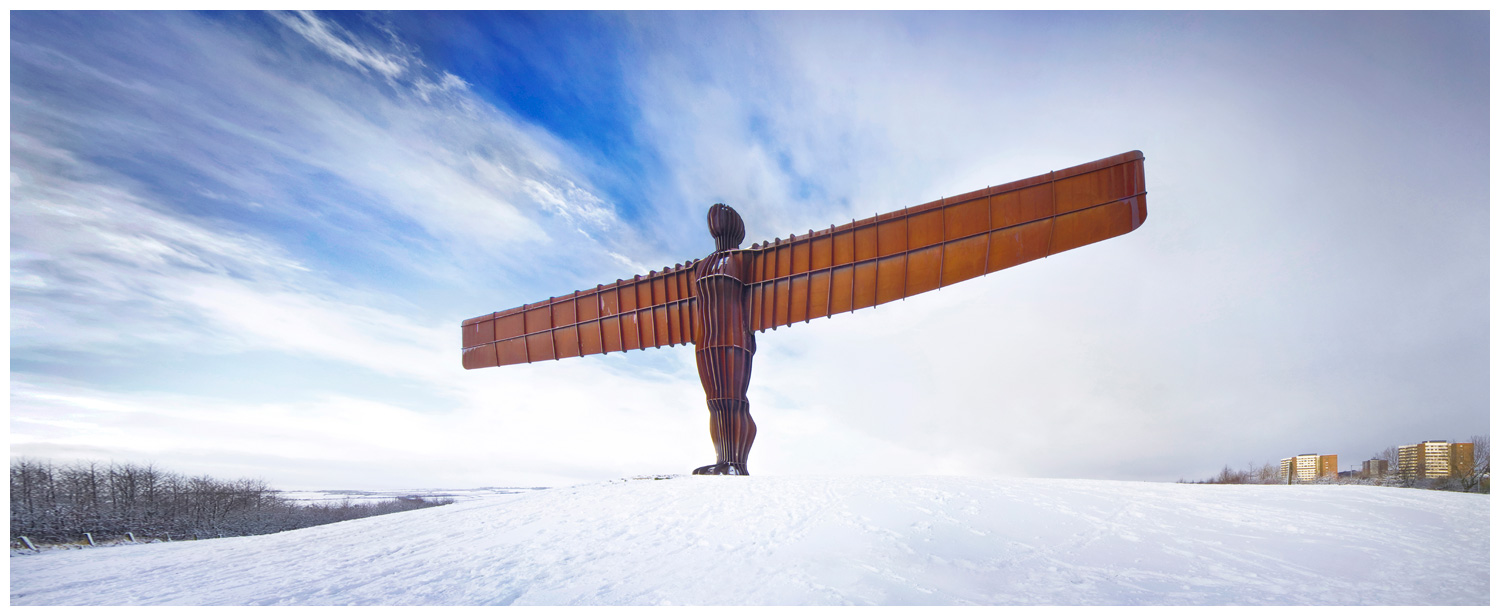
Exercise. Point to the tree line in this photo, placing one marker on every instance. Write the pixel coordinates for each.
(52, 503)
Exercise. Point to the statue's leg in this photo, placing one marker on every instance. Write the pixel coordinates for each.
(725, 372)
(734, 432)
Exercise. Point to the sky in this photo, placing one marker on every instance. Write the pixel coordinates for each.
(241, 244)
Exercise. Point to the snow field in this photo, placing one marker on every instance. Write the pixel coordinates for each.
(822, 540)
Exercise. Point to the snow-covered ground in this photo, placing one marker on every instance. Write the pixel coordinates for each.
(814, 540)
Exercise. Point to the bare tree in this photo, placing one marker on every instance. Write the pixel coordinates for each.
(1393, 472)
(1267, 474)
(57, 504)
(1475, 477)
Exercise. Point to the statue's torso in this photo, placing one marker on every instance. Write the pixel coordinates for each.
(722, 281)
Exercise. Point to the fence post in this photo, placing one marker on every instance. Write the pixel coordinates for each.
(90, 537)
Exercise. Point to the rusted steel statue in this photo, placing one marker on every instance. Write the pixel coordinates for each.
(719, 302)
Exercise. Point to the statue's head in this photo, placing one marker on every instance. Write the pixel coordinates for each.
(726, 226)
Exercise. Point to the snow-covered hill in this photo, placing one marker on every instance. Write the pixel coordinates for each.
(846, 540)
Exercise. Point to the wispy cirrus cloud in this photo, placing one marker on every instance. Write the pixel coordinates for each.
(161, 193)
(396, 148)
(97, 270)
(340, 44)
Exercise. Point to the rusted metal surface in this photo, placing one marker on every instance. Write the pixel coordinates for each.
(894, 256)
(846, 267)
(726, 343)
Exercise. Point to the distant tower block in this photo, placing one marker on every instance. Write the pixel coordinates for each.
(1374, 468)
(1435, 459)
(1310, 466)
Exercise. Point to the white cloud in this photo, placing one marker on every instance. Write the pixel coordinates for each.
(342, 45)
(299, 137)
(105, 260)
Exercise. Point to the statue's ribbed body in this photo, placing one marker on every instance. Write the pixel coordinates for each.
(725, 343)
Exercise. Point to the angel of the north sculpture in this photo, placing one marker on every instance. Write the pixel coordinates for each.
(719, 302)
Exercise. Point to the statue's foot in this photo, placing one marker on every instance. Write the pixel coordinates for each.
(723, 468)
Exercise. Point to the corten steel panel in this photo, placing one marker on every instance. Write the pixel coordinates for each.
(613, 330)
(630, 328)
(659, 290)
(845, 267)
(864, 243)
(539, 346)
(924, 230)
(566, 341)
(762, 304)
(759, 264)
(643, 296)
(479, 357)
(783, 301)
(783, 259)
(663, 334)
(609, 301)
(478, 333)
(512, 351)
(842, 293)
(1021, 206)
(564, 312)
(588, 307)
(843, 248)
(538, 320)
(591, 337)
(625, 291)
(1095, 224)
(647, 328)
(923, 270)
(510, 326)
(797, 300)
(650, 334)
(819, 293)
(890, 279)
(667, 322)
(802, 255)
(1097, 187)
(822, 253)
(967, 218)
(890, 238)
(964, 259)
(1016, 245)
(864, 285)
(680, 311)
